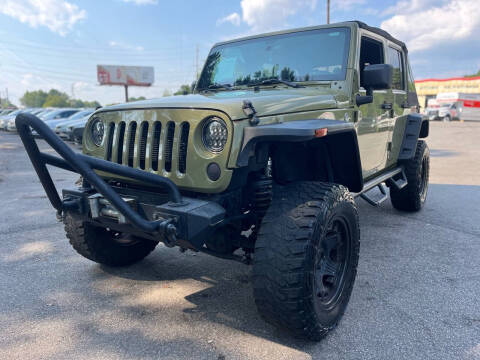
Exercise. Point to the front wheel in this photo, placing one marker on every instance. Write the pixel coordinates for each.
(106, 246)
(447, 118)
(306, 257)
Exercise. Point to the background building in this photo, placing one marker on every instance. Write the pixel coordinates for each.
(429, 88)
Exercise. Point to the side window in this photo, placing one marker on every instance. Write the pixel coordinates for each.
(411, 80)
(67, 113)
(371, 52)
(395, 59)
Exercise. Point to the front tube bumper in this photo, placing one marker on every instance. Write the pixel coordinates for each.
(84, 165)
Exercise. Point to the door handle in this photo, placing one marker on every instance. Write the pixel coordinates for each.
(387, 106)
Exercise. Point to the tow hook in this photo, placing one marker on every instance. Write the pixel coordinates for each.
(167, 230)
(170, 233)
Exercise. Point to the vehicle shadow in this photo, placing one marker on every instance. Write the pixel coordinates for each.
(226, 296)
(172, 304)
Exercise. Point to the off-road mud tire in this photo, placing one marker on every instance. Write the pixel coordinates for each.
(287, 252)
(104, 246)
(413, 196)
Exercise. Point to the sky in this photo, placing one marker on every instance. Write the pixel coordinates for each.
(57, 44)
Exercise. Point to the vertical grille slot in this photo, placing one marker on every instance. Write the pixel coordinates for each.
(143, 144)
(182, 148)
(121, 137)
(111, 129)
(157, 129)
(131, 142)
(169, 146)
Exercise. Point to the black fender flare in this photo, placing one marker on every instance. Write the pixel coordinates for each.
(347, 158)
(417, 127)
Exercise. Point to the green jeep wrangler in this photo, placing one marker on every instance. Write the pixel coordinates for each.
(260, 165)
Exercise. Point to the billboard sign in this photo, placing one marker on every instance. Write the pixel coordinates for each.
(125, 75)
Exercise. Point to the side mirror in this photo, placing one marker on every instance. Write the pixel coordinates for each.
(375, 77)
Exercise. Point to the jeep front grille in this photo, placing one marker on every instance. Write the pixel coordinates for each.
(182, 148)
(157, 128)
(161, 146)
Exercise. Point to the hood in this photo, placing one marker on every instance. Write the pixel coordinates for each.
(267, 102)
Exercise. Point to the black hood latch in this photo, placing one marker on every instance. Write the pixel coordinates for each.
(250, 112)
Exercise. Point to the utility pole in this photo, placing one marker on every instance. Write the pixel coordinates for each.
(328, 11)
(5, 101)
(126, 93)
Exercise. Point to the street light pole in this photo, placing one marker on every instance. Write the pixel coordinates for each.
(328, 11)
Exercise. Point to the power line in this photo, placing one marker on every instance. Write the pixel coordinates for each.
(81, 48)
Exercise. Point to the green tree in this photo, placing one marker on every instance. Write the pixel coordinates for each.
(56, 98)
(4, 103)
(287, 74)
(166, 93)
(77, 103)
(137, 98)
(473, 75)
(184, 90)
(34, 98)
(91, 104)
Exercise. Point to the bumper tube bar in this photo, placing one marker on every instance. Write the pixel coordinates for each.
(84, 165)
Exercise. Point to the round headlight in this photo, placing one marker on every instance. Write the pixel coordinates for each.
(97, 131)
(215, 134)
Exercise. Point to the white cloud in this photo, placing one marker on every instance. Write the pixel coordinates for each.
(346, 4)
(412, 6)
(125, 46)
(233, 18)
(423, 26)
(142, 2)
(58, 15)
(263, 15)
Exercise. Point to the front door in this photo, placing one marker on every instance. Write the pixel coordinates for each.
(375, 119)
(401, 107)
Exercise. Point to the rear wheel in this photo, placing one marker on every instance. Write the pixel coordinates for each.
(106, 246)
(413, 196)
(306, 257)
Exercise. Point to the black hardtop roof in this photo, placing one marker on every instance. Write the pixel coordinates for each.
(360, 24)
(382, 33)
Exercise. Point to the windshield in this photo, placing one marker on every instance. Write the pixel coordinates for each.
(51, 114)
(301, 56)
(15, 112)
(80, 114)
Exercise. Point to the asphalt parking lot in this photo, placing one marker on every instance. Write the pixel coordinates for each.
(417, 293)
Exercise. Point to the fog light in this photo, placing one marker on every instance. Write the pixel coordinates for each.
(213, 171)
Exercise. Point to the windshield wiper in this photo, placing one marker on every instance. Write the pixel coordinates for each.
(275, 81)
(217, 86)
